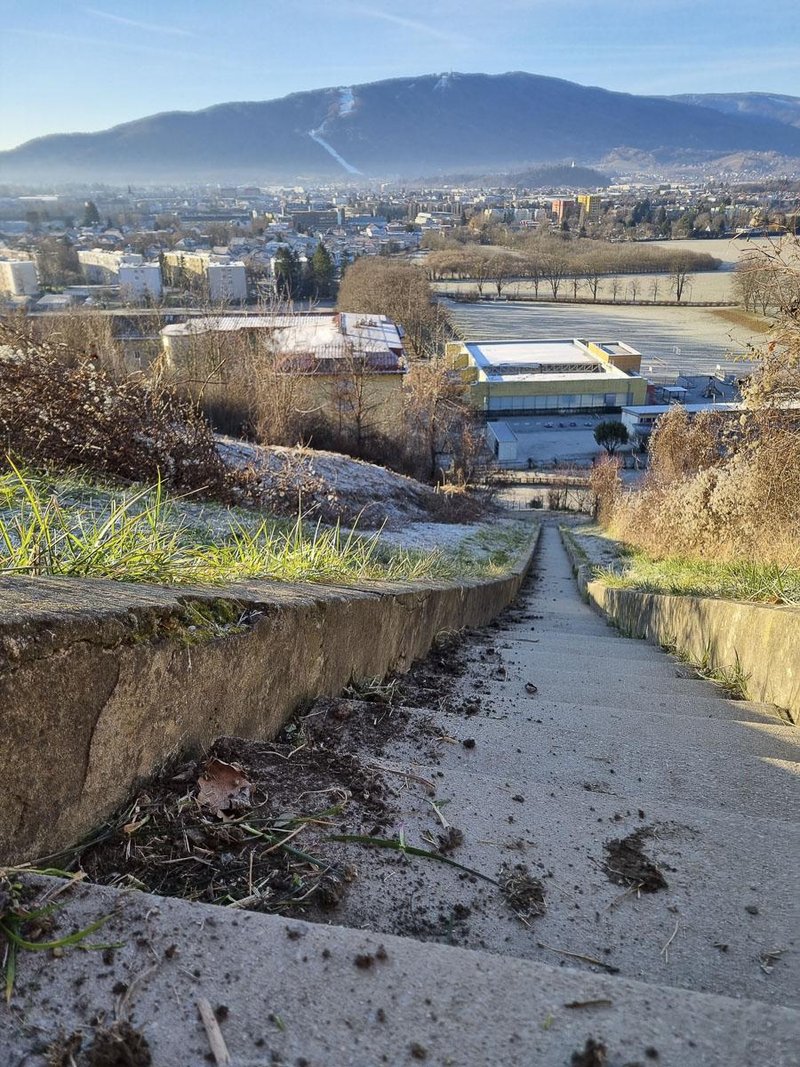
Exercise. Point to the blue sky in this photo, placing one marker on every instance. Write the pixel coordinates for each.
(69, 66)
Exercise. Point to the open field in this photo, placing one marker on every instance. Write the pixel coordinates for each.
(672, 340)
(707, 286)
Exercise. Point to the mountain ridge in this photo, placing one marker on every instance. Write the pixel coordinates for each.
(777, 106)
(400, 127)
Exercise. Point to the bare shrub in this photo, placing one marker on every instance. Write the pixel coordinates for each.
(606, 485)
(723, 490)
(56, 414)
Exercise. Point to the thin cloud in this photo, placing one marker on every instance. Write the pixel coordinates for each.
(123, 46)
(423, 28)
(148, 27)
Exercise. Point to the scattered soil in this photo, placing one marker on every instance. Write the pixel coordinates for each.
(305, 786)
(252, 823)
(594, 1054)
(428, 682)
(121, 1045)
(628, 865)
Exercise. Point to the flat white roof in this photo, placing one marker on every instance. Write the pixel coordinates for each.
(303, 333)
(488, 354)
(555, 360)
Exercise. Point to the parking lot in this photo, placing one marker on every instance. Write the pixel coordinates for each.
(550, 439)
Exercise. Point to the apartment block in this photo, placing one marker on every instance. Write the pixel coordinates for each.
(591, 207)
(140, 281)
(221, 280)
(102, 267)
(19, 277)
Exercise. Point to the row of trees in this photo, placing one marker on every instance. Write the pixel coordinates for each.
(557, 264)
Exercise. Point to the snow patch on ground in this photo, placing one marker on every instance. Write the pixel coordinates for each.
(347, 101)
(314, 135)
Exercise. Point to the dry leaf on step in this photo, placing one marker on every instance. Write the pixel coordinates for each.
(223, 787)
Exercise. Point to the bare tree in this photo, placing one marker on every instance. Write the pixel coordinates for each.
(501, 267)
(555, 267)
(680, 273)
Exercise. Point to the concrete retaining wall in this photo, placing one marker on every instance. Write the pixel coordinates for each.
(101, 681)
(763, 639)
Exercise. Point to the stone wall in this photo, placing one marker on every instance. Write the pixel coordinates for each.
(761, 642)
(100, 682)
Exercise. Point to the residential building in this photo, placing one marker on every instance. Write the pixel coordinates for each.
(563, 208)
(227, 282)
(330, 355)
(590, 207)
(19, 277)
(538, 377)
(140, 281)
(222, 280)
(102, 267)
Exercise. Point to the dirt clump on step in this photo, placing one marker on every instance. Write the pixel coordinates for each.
(593, 1054)
(626, 863)
(523, 893)
(120, 1045)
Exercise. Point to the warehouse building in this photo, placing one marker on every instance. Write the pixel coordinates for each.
(542, 377)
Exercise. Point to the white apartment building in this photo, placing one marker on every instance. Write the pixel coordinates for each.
(227, 282)
(140, 281)
(19, 277)
(102, 267)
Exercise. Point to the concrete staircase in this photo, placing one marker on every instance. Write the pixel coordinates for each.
(617, 742)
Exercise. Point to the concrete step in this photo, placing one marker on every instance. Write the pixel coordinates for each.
(599, 686)
(610, 643)
(557, 616)
(288, 992)
(555, 674)
(658, 674)
(749, 768)
(724, 924)
(661, 704)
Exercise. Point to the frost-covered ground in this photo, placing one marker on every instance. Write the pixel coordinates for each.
(330, 485)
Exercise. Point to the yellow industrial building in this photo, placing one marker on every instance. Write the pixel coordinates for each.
(540, 377)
